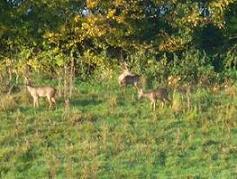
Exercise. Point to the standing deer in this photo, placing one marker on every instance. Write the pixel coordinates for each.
(154, 95)
(126, 77)
(43, 91)
(130, 79)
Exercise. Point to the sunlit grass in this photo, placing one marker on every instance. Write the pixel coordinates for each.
(107, 132)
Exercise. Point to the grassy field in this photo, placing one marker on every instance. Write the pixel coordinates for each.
(108, 133)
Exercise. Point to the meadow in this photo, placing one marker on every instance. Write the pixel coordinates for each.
(81, 48)
(108, 133)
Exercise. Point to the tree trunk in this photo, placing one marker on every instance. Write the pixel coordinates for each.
(72, 77)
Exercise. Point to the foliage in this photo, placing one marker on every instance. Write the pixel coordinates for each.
(54, 31)
(194, 66)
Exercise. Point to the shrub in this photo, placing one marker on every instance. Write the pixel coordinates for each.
(194, 66)
(191, 66)
(155, 71)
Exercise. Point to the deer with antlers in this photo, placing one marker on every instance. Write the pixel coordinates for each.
(128, 78)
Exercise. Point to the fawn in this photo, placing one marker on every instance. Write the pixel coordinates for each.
(154, 95)
(43, 91)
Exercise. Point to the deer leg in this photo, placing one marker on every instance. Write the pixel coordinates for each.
(162, 103)
(168, 101)
(35, 101)
(153, 104)
(50, 102)
(53, 100)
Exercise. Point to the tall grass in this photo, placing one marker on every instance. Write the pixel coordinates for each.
(108, 133)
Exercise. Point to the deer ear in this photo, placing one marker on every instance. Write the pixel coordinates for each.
(26, 81)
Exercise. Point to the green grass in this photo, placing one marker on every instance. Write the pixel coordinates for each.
(108, 133)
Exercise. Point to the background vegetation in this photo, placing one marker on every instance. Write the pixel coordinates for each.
(78, 47)
(45, 35)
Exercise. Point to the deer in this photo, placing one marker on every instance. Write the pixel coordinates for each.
(126, 77)
(43, 91)
(154, 95)
(130, 79)
(175, 82)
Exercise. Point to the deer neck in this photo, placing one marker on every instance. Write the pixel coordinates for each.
(146, 95)
(143, 94)
(29, 87)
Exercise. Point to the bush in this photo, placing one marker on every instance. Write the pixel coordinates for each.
(230, 64)
(154, 71)
(194, 66)
(191, 66)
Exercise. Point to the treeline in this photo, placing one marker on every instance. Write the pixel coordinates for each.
(193, 39)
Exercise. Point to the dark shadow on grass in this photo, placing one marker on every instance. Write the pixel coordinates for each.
(27, 109)
(85, 102)
(211, 142)
(41, 108)
(60, 104)
(24, 109)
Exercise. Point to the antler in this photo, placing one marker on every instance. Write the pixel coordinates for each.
(124, 66)
(27, 80)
